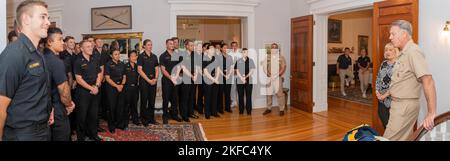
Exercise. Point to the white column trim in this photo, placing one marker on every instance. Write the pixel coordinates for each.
(332, 6)
(320, 71)
(235, 8)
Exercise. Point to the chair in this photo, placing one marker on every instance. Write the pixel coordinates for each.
(440, 132)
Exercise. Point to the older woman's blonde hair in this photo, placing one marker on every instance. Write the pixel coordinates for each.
(391, 46)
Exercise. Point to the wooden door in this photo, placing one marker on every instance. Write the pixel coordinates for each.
(302, 63)
(384, 13)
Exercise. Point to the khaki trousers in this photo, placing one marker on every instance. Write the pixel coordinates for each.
(277, 87)
(342, 74)
(364, 80)
(403, 116)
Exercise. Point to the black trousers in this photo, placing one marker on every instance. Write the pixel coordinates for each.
(170, 94)
(131, 99)
(211, 91)
(247, 90)
(60, 130)
(116, 109)
(103, 101)
(383, 113)
(199, 104)
(87, 114)
(187, 100)
(220, 99)
(191, 102)
(35, 132)
(72, 116)
(148, 95)
(227, 93)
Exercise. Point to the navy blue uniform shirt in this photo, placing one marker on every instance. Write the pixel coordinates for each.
(87, 69)
(116, 71)
(58, 75)
(24, 79)
(148, 62)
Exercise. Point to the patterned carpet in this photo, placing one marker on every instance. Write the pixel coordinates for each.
(353, 94)
(170, 132)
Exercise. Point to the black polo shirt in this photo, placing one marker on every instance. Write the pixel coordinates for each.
(188, 62)
(363, 61)
(210, 65)
(24, 79)
(67, 58)
(74, 58)
(116, 71)
(87, 69)
(219, 60)
(64, 54)
(131, 73)
(104, 56)
(58, 76)
(227, 67)
(344, 61)
(148, 62)
(169, 61)
(98, 57)
(198, 62)
(244, 67)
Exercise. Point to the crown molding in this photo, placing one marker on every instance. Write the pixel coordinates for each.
(253, 3)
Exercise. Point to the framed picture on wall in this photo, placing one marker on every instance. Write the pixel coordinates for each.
(363, 43)
(334, 31)
(109, 18)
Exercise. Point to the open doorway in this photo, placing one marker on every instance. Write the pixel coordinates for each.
(349, 72)
(210, 29)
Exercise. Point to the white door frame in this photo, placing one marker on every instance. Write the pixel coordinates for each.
(234, 8)
(321, 9)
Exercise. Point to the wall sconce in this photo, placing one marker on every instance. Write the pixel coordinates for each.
(447, 25)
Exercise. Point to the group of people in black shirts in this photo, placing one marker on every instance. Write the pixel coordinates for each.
(103, 84)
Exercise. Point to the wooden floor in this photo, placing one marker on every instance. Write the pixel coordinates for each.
(296, 125)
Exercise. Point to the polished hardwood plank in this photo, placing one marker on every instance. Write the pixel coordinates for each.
(296, 125)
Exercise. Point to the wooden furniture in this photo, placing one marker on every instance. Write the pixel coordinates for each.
(441, 131)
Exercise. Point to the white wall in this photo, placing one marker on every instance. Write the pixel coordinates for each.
(273, 24)
(273, 21)
(150, 17)
(299, 8)
(3, 32)
(436, 45)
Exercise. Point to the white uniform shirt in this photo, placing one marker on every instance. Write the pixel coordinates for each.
(235, 55)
